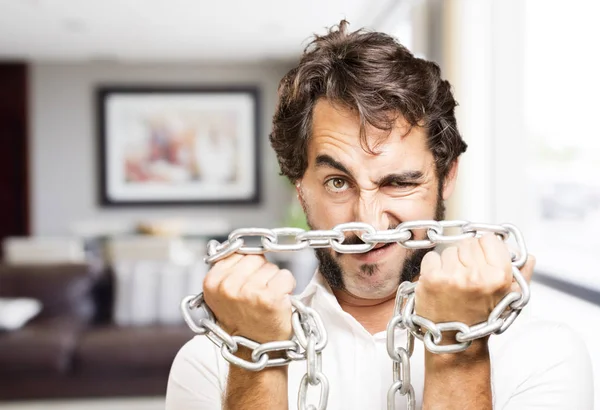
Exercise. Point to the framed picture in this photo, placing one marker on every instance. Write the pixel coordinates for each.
(170, 146)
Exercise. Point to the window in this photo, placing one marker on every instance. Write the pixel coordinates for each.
(561, 112)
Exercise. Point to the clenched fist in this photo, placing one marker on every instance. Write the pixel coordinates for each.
(466, 281)
(250, 297)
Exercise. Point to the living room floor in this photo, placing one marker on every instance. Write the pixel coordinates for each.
(157, 403)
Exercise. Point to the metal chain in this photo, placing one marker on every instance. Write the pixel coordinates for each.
(310, 336)
(400, 356)
(308, 342)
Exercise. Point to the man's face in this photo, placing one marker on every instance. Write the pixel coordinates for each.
(345, 183)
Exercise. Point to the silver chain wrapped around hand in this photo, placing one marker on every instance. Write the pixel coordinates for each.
(308, 342)
(310, 336)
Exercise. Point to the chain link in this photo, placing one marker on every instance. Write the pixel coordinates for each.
(310, 336)
(400, 356)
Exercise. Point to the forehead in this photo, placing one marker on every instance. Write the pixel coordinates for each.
(336, 131)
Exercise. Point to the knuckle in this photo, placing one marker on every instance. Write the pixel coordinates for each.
(470, 281)
(430, 260)
(227, 289)
(284, 279)
(434, 280)
(250, 293)
(468, 242)
(269, 266)
(253, 260)
(497, 279)
(267, 302)
(425, 277)
(286, 274)
(493, 243)
(488, 243)
(210, 284)
(469, 284)
(489, 236)
(449, 251)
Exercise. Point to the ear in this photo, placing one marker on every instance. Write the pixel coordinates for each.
(299, 194)
(450, 180)
(298, 190)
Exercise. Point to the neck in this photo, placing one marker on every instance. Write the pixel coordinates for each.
(373, 314)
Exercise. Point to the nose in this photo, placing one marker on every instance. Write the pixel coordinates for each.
(371, 209)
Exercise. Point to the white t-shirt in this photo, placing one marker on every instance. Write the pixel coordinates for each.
(535, 365)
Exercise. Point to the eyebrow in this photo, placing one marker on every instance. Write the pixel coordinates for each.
(407, 177)
(414, 177)
(325, 160)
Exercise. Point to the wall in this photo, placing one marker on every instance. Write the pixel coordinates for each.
(64, 174)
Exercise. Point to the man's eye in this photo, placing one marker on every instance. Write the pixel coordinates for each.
(336, 185)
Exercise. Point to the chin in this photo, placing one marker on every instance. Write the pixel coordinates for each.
(371, 275)
(373, 281)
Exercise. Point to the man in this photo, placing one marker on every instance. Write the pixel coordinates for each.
(367, 133)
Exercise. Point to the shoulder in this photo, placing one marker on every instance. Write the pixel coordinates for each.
(198, 354)
(539, 360)
(197, 374)
(536, 337)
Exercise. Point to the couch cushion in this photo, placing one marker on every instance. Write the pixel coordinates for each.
(46, 347)
(65, 290)
(130, 349)
(16, 312)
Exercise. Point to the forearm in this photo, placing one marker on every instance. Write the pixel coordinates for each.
(247, 390)
(459, 380)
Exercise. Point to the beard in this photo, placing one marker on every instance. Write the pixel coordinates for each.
(332, 271)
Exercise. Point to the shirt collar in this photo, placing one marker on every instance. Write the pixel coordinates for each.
(317, 282)
(319, 294)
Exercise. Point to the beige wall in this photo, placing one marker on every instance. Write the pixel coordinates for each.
(64, 176)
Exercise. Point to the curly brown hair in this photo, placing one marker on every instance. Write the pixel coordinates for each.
(373, 75)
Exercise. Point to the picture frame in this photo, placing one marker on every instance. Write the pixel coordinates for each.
(166, 146)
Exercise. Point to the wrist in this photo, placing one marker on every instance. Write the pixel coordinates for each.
(245, 353)
(475, 355)
(262, 389)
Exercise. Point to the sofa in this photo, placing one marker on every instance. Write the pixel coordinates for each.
(73, 348)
